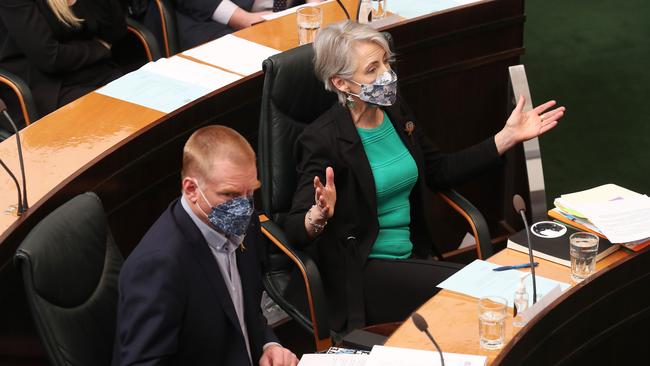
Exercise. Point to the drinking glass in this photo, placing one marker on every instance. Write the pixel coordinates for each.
(309, 20)
(378, 9)
(492, 321)
(583, 248)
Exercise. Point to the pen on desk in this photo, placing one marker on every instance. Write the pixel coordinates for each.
(517, 266)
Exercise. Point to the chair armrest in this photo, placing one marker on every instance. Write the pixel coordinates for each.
(169, 30)
(145, 37)
(24, 94)
(477, 222)
(313, 283)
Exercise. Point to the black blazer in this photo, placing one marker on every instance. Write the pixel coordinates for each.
(47, 54)
(343, 248)
(174, 307)
(194, 20)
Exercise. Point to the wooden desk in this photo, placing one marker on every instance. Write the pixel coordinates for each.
(453, 319)
(129, 155)
(455, 61)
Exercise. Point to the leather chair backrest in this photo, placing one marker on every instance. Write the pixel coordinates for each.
(160, 18)
(292, 98)
(70, 266)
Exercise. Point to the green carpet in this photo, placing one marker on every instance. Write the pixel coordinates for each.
(594, 58)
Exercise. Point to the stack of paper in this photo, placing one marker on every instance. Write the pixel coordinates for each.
(168, 84)
(620, 215)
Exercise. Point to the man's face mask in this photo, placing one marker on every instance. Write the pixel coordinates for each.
(382, 91)
(231, 217)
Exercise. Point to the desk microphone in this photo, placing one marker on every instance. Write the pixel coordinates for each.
(347, 15)
(520, 207)
(22, 203)
(422, 326)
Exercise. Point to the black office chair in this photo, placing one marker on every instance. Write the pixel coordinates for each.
(70, 267)
(122, 51)
(160, 17)
(293, 97)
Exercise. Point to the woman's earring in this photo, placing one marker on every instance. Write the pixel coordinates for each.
(349, 102)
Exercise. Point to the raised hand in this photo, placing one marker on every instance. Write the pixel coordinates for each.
(522, 126)
(325, 195)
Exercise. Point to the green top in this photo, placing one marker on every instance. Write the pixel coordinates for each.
(395, 174)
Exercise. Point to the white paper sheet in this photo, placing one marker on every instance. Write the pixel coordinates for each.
(416, 8)
(153, 91)
(233, 53)
(168, 84)
(284, 12)
(327, 359)
(392, 356)
(182, 69)
(477, 279)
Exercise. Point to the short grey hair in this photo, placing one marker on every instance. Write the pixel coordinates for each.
(333, 51)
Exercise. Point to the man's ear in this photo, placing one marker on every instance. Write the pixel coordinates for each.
(340, 84)
(190, 189)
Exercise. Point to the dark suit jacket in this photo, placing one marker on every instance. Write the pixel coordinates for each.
(194, 20)
(343, 248)
(174, 307)
(47, 54)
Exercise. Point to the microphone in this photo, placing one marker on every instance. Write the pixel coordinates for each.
(22, 203)
(422, 326)
(13, 177)
(347, 15)
(520, 207)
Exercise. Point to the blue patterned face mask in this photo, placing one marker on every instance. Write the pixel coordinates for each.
(382, 91)
(231, 217)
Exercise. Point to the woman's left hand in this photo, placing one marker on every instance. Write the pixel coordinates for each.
(522, 126)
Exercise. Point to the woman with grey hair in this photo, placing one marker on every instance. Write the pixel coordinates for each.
(367, 226)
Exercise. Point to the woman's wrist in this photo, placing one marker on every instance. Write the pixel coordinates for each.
(504, 140)
(316, 220)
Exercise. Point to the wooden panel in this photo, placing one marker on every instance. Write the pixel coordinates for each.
(453, 319)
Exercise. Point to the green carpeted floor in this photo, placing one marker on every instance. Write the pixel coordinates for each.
(593, 57)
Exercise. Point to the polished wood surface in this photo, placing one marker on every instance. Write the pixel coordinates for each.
(282, 33)
(64, 143)
(452, 67)
(453, 319)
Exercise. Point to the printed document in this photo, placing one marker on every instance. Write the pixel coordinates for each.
(477, 279)
(168, 84)
(329, 359)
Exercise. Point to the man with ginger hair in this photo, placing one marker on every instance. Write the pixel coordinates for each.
(190, 291)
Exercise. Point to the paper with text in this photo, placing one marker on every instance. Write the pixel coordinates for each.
(329, 359)
(168, 84)
(477, 279)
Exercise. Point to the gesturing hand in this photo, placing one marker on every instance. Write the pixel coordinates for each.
(522, 126)
(325, 195)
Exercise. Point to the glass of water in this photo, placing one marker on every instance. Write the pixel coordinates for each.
(309, 20)
(492, 321)
(378, 9)
(583, 248)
